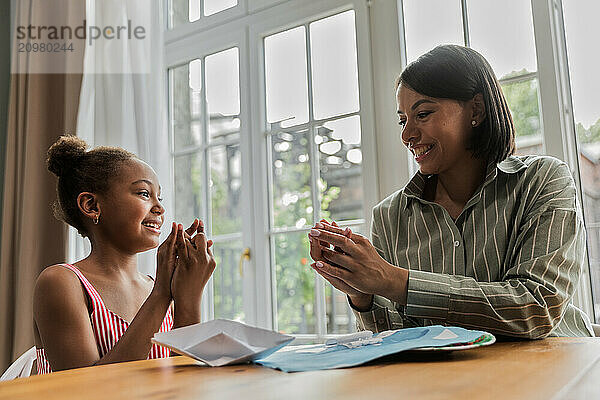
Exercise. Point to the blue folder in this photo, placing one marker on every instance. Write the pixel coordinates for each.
(318, 357)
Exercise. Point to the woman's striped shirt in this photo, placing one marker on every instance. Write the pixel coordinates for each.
(509, 264)
(107, 326)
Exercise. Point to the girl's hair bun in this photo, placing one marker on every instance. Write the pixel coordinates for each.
(64, 154)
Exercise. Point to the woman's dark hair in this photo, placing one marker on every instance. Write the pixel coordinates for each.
(79, 171)
(459, 73)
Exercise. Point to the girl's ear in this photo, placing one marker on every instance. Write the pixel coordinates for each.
(478, 109)
(88, 204)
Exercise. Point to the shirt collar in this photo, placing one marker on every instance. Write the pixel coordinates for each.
(511, 165)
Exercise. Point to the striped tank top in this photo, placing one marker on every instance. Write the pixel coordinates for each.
(108, 327)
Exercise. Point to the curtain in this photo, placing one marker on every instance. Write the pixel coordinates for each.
(42, 106)
(123, 100)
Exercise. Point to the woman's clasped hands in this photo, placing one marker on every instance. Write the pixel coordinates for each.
(354, 267)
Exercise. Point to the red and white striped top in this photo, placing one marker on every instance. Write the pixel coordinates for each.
(108, 327)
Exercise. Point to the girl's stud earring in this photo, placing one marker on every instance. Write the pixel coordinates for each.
(96, 220)
(473, 123)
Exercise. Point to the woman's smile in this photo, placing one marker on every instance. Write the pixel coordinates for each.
(421, 152)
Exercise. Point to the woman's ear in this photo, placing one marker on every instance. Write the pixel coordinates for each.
(88, 204)
(478, 109)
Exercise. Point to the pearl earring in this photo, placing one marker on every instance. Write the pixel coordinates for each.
(473, 123)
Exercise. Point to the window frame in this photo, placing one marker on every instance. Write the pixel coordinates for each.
(191, 41)
(288, 16)
(178, 55)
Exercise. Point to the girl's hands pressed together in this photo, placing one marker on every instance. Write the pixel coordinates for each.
(354, 266)
(166, 261)
(195, 265)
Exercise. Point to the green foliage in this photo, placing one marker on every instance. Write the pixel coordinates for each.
(295, 278)
(589, 135)
(522, 99)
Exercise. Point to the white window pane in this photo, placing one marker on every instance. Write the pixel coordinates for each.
(340, 318)
(225, 189)
(227, 281)
(195, 89)
(503, 32)
(334, 68)
(185, 104)
(340, 159)
(189, 188)
(291, 196)
(179, 12)
(223, 94)
(214, 6)
(286, 77)
(194, 6)
(295, 283)
(429, 23)
(582, 31)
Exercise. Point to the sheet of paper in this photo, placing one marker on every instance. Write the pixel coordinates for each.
(222, 342)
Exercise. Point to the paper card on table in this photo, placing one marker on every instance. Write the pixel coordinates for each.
(342, 355)
(222, 342)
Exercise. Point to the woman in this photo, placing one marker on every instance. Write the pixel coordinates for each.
(478, 238)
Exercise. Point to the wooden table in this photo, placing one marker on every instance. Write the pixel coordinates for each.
(543, 369)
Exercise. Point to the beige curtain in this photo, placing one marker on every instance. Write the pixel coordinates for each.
(42, 107)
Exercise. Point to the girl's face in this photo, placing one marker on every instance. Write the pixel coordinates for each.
(434, 130)
(131, 213)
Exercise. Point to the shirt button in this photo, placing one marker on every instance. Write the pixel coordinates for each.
(456, 243)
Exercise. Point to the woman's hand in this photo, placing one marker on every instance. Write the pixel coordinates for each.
(355, 262)
(195, 265)
(361, 301)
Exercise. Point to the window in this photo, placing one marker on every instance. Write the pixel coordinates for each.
(581, 29)
(314, 141)
(266, 127)
(205, 126)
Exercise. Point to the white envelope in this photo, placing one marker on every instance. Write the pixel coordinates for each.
(222, 342)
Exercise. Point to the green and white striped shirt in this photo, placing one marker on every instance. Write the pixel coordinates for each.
(509, 264)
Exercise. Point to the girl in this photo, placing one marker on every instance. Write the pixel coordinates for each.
(101, 309)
